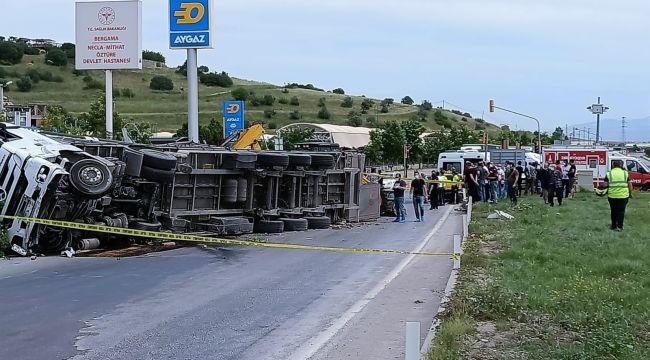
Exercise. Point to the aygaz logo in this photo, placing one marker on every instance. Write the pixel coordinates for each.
(189, 23)
(191, 13)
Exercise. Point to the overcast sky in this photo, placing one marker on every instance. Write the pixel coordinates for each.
(546, 58)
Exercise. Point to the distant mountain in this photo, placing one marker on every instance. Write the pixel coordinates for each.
(610, 129)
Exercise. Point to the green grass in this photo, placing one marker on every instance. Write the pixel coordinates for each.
(576, 289)
(169, 109)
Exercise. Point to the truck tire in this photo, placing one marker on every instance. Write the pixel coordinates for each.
(157, 175)
(145, 226)
(273, 159)
(268, 226)
(318, 222)
(299, 160)
(322, 161)
(295, 224)
(91, 178)
(158, 160)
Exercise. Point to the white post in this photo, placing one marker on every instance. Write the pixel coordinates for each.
(465, 227)
(412, 350)
(458, 250)
(192, 96)
(109, 104)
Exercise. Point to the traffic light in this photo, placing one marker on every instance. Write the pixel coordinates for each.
(483, 137)
(537, 147)
(492, 106)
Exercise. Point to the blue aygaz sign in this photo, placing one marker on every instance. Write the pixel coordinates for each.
(190, 24)
(233, 117)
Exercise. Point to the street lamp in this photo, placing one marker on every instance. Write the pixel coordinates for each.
(2, 95)
(492, 107)
(597, 109)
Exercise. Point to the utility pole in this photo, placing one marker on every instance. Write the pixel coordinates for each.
(623, 126)
(598, 109)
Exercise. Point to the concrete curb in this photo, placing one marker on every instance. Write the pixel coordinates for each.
(451, 284)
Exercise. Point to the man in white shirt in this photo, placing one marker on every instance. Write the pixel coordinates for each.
(565, 178)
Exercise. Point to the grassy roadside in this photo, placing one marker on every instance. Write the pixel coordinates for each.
(554, 283)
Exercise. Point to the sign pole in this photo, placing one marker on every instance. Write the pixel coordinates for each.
(192, 96)
(109, 104)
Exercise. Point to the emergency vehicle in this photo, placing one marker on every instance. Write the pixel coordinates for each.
(599, 160)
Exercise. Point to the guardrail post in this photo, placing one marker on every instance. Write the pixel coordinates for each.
(458, 251)
(412, 350)
(465, 227)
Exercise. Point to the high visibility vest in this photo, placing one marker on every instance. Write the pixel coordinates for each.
(618, 187)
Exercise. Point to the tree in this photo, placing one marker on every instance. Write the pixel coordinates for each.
(93, 122)
(268, 100)
(441, 119)
(283, 100)
(69, 50)
(59, 120)
(295, 115)
(10, 53)
(366, 105)
(294, 136)
(347, 102)
(240, 94)
(558, 134)
(354, 119)
(412, 131)
(216, 79)
(373, 150)
(24, 84)
(392, 142)
(321, 102)
(153, 56)
(339, 91)
(212, 133)
(407, 100)
(56, 57)
(294, 101)
(371, 121)
(422, 114)
(384, 109)
(426, 105)
(324, 114)
(387, 102)
(160, 82)
(203, 69)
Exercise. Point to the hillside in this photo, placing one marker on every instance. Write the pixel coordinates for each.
(168, 109)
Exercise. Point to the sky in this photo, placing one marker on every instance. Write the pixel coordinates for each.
(547, 58)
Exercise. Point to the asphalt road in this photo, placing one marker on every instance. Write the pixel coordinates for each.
(194, 303)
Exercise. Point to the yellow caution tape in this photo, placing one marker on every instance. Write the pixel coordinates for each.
(204, 239)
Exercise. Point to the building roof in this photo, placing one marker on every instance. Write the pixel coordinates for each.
(346, 136)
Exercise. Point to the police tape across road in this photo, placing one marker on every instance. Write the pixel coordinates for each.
(210, 240)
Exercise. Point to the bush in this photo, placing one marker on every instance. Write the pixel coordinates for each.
(24, 84)
(240, 94)
(324, 114)
(216, 79)
(384, 109)
(68, 49)
(294, 101)
(463, 119)
(272, 125)
(321, 102)
(283, 101)
(407, 100)
(76, 72)
(33, 75)
(339, 91)
(94, 85)
(426, 105)
(354, 119)
(479, 120)
(295, 115)
(300, 86)
(10, 53)
(4, 242)
(153, 56)
(366, 105)
(116, 92)
(269, 114)
(56, 57)
(268, 100)
(160, 82)
(347, 102)
(87, 79)
(371, 121)
(479, 127)
(128, 93)
(254, 100)
(46, 76)
(285, 91)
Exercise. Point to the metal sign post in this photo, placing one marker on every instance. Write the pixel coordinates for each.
(597, 109)
(190, 27)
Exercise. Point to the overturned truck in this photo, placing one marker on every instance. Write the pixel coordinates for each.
(179, 187)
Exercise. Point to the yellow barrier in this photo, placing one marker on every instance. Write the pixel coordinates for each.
(210, 240)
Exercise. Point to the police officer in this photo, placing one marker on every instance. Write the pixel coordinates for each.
(619, 190)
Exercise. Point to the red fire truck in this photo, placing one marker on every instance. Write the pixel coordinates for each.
(599, 160)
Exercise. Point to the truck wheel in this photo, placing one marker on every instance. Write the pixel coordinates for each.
(158, 160)
(91, 178)
(268, 226)
(145, 226)
(322, 161)
(295, 224)
(157, 175)
(318, 222)
(299, 160)
(273, 159)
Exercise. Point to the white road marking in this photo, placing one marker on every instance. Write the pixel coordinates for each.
(317, 342)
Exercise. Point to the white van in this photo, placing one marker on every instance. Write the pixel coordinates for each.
(455, 160)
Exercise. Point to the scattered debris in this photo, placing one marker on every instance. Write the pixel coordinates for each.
(419, 302)
(33, 257)
(69, 252)
(19, 250)
(500, 214)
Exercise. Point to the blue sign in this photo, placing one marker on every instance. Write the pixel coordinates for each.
(190, 24)
(233, 117)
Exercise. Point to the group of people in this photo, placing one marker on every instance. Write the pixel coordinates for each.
(437, 189)
(489, 182)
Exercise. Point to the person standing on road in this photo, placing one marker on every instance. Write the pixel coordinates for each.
(619, 191)
(398, 190)
(512, 175)
(433, 190)
(482, 181)
(441, 188)
(418, 191)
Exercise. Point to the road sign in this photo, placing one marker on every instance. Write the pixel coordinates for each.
(190, 24)
(233, 117)
(108, 35)
(597, 109)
